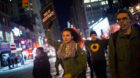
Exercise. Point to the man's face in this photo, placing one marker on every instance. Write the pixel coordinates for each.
(124, 21)
(38, 53)
(93, 37)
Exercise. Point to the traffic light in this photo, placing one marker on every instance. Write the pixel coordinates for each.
(25, 3)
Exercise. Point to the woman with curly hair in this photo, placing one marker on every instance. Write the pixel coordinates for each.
(71, 53)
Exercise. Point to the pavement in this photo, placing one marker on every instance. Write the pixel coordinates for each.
(25, 71)
(6, 69)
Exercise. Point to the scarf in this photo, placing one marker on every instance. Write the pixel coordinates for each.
(67, 50)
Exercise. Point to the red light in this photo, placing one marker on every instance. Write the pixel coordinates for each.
(25, 0)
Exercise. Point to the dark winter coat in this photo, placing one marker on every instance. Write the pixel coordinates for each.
(124, 54)
(41, 67)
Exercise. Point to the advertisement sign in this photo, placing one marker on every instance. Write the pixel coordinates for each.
(5, 47)
(101, 27)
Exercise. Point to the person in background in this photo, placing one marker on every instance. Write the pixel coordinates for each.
(41, 67)
(69, 51)
(9, 62)
(96, 49)
(16, 61)
(124, 48)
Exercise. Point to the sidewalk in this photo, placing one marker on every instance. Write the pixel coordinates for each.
(6, 69)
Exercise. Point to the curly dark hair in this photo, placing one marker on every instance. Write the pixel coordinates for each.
(76, 37)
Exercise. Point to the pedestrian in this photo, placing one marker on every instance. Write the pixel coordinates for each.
(71, 54)
(41, 67)
(124, 48)
(9, 62)
(16, 61)
(12, 61)
(22, 60)
(96, 49)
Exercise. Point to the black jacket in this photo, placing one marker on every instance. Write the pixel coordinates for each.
(41, 67)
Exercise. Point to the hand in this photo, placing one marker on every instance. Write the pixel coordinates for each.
(111, 31)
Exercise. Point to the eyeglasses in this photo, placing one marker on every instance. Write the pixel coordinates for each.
(123, 19)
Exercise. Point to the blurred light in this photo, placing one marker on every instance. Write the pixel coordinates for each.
(22, 41)
(25, 0)
(132, 10)
(88, 5)
(16, 31)
(137, 7)
(94, 0)
(45, 39)
(88, 22)
(103, 3)
(86, 1)
(59, 40)
(31, 4)
(20, 32)
(92, 21)
(84, 38)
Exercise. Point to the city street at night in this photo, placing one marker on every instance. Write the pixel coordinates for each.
(25, 71)
(69, 38)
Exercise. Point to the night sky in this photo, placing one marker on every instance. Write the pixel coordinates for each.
(62, 8)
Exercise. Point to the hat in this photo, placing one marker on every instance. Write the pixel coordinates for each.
(93, 32)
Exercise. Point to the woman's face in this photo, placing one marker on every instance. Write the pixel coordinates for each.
(66, 36)
(38, 53)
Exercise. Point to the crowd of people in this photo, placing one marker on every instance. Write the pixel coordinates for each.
(74, 56)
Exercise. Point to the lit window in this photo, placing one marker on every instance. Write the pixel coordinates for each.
(103, 3)
(94, 0)
(1, 36)
(106, 2)
(27, 8)
(8, 38)
(88, 22)
(86, 1)
(115, 1)
(88, 5)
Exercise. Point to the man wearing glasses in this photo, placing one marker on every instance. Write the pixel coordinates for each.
(124, 48)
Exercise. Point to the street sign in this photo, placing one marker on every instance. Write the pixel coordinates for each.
(48, 14)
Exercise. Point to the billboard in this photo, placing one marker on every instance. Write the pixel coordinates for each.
(101, 27)
(5, 47)
(48, 14)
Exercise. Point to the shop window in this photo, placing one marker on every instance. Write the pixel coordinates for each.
(1, 36)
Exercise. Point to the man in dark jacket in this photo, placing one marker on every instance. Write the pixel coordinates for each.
(124, 48)
(96, 49)
(41, 67)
